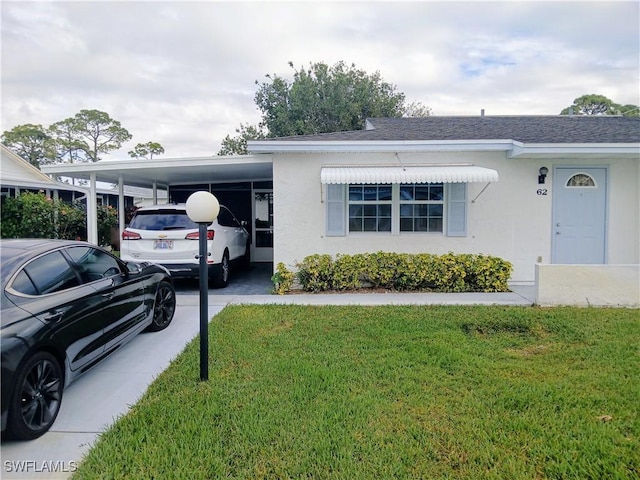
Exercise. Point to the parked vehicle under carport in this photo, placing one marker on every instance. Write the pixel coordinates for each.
(165, 234)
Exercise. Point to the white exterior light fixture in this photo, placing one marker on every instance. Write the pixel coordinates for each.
(202, 207)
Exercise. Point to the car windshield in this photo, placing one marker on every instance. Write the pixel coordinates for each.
(162, 220)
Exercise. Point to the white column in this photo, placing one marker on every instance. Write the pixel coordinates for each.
(92, 211)
(121, 205)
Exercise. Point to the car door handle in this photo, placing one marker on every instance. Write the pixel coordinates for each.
(108, 296)
(54, 316)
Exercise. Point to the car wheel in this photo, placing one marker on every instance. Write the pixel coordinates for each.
(36, 398)
(163, 308)
(221, 274)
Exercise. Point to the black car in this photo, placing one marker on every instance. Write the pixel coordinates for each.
(67, 305)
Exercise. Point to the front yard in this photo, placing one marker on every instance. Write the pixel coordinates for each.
(391, 392)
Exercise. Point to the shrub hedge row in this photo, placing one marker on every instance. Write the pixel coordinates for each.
(35, 215)
(399, 271)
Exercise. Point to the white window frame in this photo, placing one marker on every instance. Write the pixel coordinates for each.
(454, 221)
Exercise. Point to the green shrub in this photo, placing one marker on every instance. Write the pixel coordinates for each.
(34, 215)
(405, 272)
(382, 269)
(315, 273)
(487, 274)
(107, 220)
(282, 279)
(348, 271)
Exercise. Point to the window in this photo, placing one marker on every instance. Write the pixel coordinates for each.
(581, 180)
(165, 219)
(396, 208)
(370, 208)
(47, 274)
(421, 207)
(226, 218)
(93, 264)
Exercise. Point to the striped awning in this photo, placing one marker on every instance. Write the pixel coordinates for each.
(408, 174)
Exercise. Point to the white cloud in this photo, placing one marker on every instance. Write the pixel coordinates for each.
(183, 73)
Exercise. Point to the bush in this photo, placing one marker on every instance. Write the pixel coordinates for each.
(316, 272)
(405, 272)
(107, 220)
(34, 215)
(282, 279)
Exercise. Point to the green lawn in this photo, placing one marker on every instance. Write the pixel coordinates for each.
(391, 392)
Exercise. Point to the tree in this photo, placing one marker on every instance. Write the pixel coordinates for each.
(238, 144)
(594, 104)
(416, 110)
(146, 150)
(321, 99)
(69, 145)
(30, 142)
(629, 110)
(99, 132)
(81, 138)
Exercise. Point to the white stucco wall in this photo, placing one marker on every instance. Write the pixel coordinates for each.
(588, 285)
(509, 219)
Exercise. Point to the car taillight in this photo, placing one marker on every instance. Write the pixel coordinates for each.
(195, 235)
(129, 235)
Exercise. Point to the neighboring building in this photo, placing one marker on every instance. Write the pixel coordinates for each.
(17, 175)
(529, 189)
(141, 197)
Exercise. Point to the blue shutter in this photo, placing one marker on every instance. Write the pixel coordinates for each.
(457, 210)
(336, 210)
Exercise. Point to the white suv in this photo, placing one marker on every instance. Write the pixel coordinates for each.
(165, 235)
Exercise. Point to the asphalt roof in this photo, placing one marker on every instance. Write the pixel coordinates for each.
(526, 129)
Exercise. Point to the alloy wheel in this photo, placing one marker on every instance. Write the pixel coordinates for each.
(164, 308)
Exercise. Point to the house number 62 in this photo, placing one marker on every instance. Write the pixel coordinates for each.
(541, 191)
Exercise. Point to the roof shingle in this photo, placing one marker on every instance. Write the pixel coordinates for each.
(525, 129)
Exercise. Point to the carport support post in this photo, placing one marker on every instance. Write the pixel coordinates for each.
(203, 208)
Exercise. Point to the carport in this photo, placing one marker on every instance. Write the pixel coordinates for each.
(195, 173)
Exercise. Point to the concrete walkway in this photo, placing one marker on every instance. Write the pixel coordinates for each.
(520, 295)
(92, 403)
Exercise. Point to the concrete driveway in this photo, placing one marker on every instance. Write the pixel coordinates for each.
(95, 400)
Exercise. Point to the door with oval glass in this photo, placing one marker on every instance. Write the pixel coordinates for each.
(262, 244)
(579, 215)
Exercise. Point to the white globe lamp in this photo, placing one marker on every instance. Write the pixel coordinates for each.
(202, 207)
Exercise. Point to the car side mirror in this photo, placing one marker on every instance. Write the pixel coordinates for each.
(133, 268)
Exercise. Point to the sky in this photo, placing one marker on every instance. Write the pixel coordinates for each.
(183, 73)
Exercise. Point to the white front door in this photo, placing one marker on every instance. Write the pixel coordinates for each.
(579, 215)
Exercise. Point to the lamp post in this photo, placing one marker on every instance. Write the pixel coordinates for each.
(203, 208)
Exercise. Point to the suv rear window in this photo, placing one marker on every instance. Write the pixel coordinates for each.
(162, 220)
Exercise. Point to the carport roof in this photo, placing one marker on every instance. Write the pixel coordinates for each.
(170, 171)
